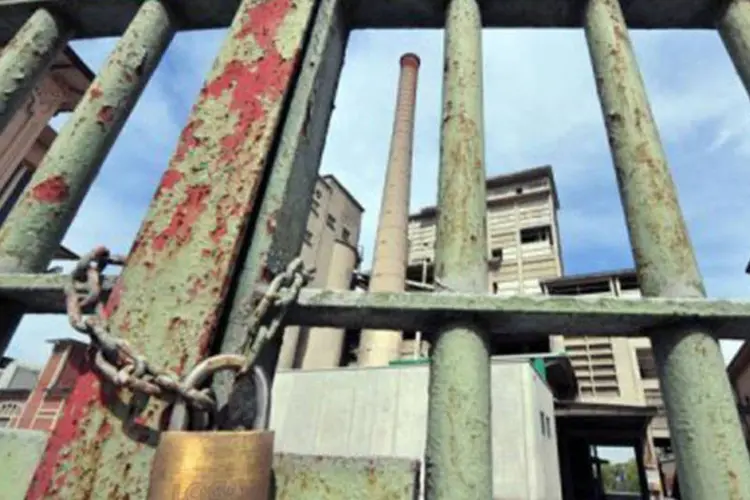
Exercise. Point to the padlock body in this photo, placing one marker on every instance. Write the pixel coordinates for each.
(223, 465)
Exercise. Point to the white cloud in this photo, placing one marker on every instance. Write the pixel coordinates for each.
(541, 108)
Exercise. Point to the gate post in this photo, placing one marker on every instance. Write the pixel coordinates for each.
(459, 437)
(168, 301)
(712, 459)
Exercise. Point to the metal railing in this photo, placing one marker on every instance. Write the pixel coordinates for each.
(229, 214)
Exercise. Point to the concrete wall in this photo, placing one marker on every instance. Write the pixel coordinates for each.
(362, 412)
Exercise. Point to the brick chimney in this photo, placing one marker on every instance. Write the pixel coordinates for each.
(379, 347)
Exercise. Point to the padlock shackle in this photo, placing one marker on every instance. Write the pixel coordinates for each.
(212, 365)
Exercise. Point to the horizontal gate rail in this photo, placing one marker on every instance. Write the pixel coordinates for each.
(516, 316)
(101, 18)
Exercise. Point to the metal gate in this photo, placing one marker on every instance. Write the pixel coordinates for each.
(229, 216)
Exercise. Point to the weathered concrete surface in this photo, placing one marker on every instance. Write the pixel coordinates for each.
(20, 452)
(97, 18)
(328, 413)
(343, 478)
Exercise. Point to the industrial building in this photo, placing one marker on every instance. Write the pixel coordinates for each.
(330, 247)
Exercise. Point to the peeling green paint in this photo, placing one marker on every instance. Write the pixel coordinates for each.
(734, 28)
(280, 230)
(703, 421)
(26, 58)
(459, 430)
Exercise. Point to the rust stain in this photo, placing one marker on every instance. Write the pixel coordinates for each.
(95, 92)
(51, 190)
(106, 114)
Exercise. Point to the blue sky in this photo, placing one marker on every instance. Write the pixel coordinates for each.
(540, 108)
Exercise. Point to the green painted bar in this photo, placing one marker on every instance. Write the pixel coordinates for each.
(280, 226)
(37, 224)
(703, 421)
(519, 316)
(733, 25)
(25, 59)
(458, 451)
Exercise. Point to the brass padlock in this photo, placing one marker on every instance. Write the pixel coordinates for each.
(226, 465)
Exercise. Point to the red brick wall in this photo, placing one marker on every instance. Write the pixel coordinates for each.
(44, 407)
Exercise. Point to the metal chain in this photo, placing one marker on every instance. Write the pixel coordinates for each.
(281, 293)
(118, 362)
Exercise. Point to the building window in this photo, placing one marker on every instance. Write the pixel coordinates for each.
(314, 207)
(308, 237)
(318, 194)
(345, 235)
(549, 426)
(536, 234)
(497, 253)
(331, 221)
(494, 287)
(519, 190)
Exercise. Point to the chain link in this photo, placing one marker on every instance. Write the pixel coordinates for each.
(118, 362)
(281, 293)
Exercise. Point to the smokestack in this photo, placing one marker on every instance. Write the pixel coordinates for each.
(379, 347)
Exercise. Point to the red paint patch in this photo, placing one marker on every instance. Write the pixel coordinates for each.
(187, 141)
(106, 114)
(51, 190)
(95, 92)
(67, 431)
(170, 178)
(114, 298)
(186, 214)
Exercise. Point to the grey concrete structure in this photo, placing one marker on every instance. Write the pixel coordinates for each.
(382, 412)
(522, 236)
(379, 347)
(330, 246)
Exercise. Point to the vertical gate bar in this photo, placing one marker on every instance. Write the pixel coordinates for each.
(169, 298)
(26, 58)
(458, 454)
(38, 222)
(734, 28)
(712, 458)
(282, 219)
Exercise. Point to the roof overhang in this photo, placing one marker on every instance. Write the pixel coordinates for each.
(602, 423)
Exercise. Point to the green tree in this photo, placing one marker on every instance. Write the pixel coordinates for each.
(610, 473)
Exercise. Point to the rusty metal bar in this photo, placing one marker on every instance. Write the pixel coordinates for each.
(35, 227)
(459, 438)
(168, 300)
(704, 426)
(281, 225)
(512, 316)
(25, 59)
(734, 27)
